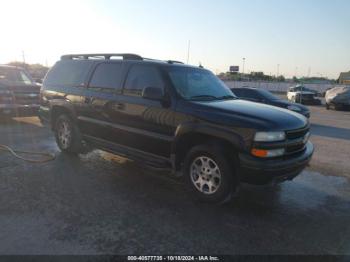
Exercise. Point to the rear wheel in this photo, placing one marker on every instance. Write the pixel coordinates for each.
(210, 173)
(67, 135)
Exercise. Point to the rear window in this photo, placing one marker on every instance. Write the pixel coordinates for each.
(68, 73)
(107, 75)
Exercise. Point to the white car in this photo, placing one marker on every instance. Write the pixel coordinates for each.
(300, 94)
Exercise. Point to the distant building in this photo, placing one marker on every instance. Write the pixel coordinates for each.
(344, 78)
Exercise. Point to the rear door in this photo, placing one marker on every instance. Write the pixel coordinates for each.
(140, 123)
(100, 98)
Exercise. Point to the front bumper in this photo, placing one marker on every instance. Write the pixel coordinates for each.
(264, 171)
(14, 110)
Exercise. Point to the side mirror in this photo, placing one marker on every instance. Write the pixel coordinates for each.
(39, 81)
(153, 93)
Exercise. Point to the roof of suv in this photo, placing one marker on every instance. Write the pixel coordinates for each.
(118, 57)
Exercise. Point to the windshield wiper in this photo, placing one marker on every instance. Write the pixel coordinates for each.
(206, 97)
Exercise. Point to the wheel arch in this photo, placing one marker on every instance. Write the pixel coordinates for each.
(190, 135)
(58, 108)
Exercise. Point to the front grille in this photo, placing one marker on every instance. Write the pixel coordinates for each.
(22, 98)
(296, 140)
(298, 133)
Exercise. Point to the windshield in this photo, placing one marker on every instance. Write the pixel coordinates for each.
(268, 95)
(198, 84)
(15, 76)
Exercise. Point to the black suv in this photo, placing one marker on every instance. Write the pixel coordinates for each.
(19, 94)
(170, 115)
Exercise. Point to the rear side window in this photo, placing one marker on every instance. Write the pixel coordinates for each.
(238, 92)
(68, 73)
(141, 76)
(107, 75)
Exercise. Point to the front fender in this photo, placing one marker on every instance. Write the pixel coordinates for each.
(239, 138)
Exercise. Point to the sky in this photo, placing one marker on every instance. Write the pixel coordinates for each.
(303, 37)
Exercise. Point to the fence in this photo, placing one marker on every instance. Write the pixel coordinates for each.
(277, 87)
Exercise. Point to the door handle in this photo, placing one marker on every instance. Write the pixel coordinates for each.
(88, 100)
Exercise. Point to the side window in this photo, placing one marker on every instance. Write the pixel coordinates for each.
(238, 92)
(141, 76)
(252, 94)
(107, 76)
(68, 73)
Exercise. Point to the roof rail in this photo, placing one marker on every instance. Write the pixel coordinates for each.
(100, 56)
(174, 62)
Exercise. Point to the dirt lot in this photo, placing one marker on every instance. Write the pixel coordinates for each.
(331, 137)
(101, 204)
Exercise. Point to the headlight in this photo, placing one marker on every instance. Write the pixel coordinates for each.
(294, 108)
(269, 136)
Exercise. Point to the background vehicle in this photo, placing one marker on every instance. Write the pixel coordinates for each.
(19, 95)
(338, 97)
(266, 97)
(169, 115)
(302, 95)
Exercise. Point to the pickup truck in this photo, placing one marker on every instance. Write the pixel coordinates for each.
(19, 94)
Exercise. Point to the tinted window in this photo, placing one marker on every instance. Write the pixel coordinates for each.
(141, 76)
(238, 92)
(253, 94)
(198, 84)
(68, 73)
(107, 76)
(267, 94)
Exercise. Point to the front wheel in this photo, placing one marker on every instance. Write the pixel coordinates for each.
(67, 135)
(210, 173)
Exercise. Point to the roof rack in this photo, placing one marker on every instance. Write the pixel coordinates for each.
(101, 56)
(174, 62)
(109, 56)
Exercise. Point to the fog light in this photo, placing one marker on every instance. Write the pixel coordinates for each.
(268, 153)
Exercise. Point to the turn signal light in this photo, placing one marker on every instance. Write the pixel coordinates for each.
(267, 153)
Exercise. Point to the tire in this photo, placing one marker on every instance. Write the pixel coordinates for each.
(327, 106)
(210, 174)
(67, 134)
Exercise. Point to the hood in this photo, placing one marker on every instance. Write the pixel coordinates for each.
(18, 87)
(285, 104)
(250, 115)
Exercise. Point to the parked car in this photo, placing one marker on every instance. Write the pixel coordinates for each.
(302, 95)
(19, 95)
(264, 96)
(165, 114)
(338, 97)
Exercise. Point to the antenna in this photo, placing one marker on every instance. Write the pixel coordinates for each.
(188, 51)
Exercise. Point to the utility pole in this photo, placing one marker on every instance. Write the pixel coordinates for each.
(243, 64)
(278, 70)
(309, 72)
(188, 51)
(24, 58)
(296, 72)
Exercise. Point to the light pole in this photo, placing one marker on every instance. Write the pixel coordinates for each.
(243, 64)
